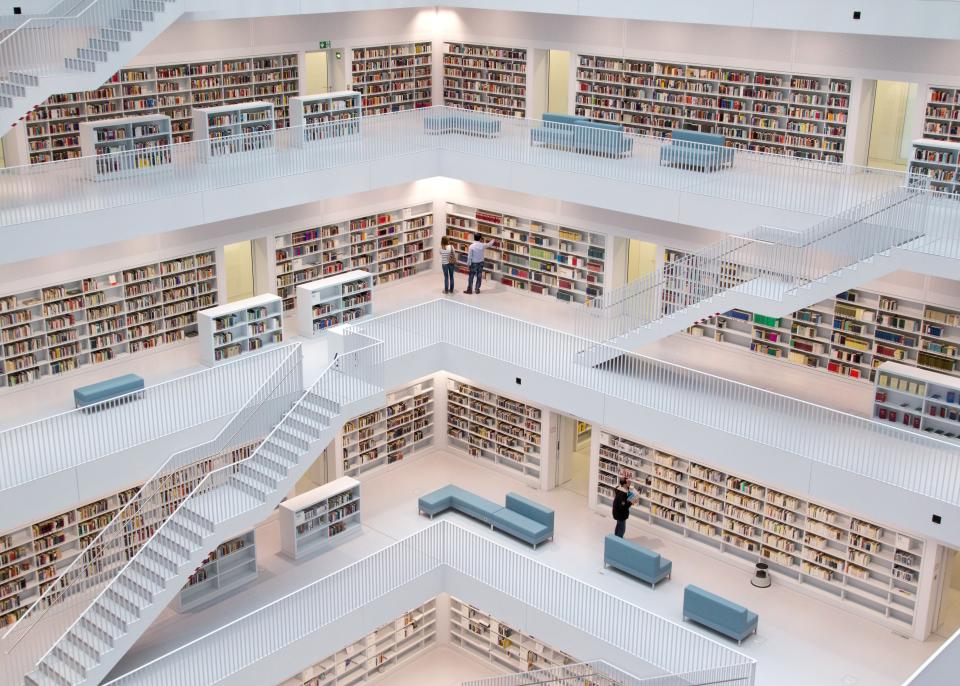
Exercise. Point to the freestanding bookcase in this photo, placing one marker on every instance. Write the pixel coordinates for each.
(234, 129)
(126, 145)
(335, 300)
(327, 115)
(939, 162)
(231, 565)
(243, 326)
(321, 518)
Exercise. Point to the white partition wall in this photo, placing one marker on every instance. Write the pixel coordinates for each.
(334, 300)
(240, 327)
(127, 145)
(321, 518)
(234, 129)
(327, 115)
(232, 565)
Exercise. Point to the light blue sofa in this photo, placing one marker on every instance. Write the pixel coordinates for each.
(635, 560)
(522, 518)
(718, 613)
(578, 134)
(696, 150)
(461, 121)
(96, 395)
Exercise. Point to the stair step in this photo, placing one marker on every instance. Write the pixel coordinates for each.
(79, 64)
(251, 486)
(6, 101)
(149, 5)
(86, 638)
(75, 656)
(225, 502)
(35, 678)
(152, 572)
(96, 627)
(123, 24)
(103, 44)
(310, 416)
(290, 445)
(322, 405)
(61, 672)
(272, 466)
(293, 435)
(125, 598)
(135, 14)
(13, 89)
(278, 453)
(115, 612)
(263, 471)
(92, 54)
(174, 542)
(185, 530)
(159, 562)
(23, 79)
(205, 522)
(115, 35)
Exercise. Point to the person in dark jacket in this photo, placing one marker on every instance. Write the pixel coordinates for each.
(622, 500)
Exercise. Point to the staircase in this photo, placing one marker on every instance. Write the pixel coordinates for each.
(77, 46)
(768, 270)
(227, 501)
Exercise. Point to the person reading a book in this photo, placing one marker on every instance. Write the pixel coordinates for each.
(623, 498)
(475, 261)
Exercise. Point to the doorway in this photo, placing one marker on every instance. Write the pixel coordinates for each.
(641, 259)
(323, 72)
(948, 619)
(238, 262)
(890, 126)
(558, 83)
(573, 455)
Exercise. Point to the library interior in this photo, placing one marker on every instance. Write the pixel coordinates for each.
(704, 321)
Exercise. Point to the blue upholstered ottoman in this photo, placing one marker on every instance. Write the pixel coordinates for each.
(117, 389)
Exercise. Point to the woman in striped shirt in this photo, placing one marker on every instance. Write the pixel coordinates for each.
(447, 263)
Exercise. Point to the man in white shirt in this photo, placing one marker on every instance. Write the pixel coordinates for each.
(475, 261)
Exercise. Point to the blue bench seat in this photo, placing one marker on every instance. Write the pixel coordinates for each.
(719, 614)
(635, 560)
(522, 518)
(464, 122)
(581, 135)
(696, 150)
(108, 393)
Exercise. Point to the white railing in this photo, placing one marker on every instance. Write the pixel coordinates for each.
(765, 263)
(602, 673)
(65, 598)
(57, 189)
(70, 439)
(877, 450)
(230, 649)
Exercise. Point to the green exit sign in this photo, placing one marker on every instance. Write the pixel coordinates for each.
(324, 44)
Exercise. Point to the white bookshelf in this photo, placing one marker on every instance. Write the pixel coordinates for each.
(939, 161)
(234, 129)
(382, 650)
(391, 245)
(941, 118)
(533, 256)
(34, 555)
(240, 327)
(58, 328)
(334, 300)
(327, 115)
(849, 335)
(478, 632)
(232, 565)
(394, 77)
(321, 518)
(127, 145)
(495, 428)
(51, 131)
(918, 400)
(835, 555)
(776, 112)
(486, 78)
(390, 434)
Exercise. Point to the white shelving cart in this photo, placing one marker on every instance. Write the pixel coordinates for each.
(334, 300)
(126, 145)
(321, 518)
(244, 326)
(233, 129)
(327, 115)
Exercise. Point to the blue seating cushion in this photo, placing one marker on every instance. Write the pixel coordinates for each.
(521, 526)
(530, 509)
(685, 136)
(634, 559)
(474, 505)
(718, 613)
(110, 388)
(437, 501)
(551, 120)
(462, 122)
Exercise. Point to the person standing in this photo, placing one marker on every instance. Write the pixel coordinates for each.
(447, 263)
(475, 262)
(623, 497)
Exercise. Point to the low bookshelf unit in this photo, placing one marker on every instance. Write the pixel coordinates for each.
(126, 145)
(836, 555)
(918, 400)
(495, 428)
(338, 299)
(321, 518)
(328, 115)
(390, 434)
(241, 327)
(231, 565)
(233, 129)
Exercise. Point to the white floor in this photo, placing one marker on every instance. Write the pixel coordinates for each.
(801, 642)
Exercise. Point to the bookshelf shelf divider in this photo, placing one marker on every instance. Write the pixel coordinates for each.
(334, 300)
(231, 565)
(320, 518)
(485, 78)
(394, 77)
(241, 327)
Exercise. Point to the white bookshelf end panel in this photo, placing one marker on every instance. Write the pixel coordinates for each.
(327, 115)
(321, 518)
(126, 145)
(243, 326)
(233, 129)
(337, 299)
(231, 565)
